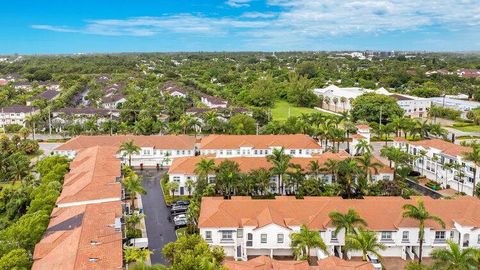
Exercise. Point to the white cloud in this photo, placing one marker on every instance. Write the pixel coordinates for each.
(238, 3)
(301, 20)
(255, 15)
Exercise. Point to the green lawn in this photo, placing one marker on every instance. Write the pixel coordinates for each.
(466, 127)
(280, 111)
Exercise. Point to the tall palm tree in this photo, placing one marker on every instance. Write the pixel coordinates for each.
(474, 157)
(421, 214)
(365, 241)
(189, 185)
(203, 168)
(343, 100)
(348, 173)
(129, 148)
(133, 184)
(261, 178)
(280, 162)
(315, 169)
(454, 257)
(363, 147)
(331, 165)
(172, 187)
(366, 163)
(347, 221)
(395, 156)
(304, 240)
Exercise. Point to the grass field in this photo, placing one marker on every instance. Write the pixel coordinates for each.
(466, 127)
(280, 111)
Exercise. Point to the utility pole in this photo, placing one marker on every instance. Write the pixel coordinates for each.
(3, 122)
(33, 135)
(111, 123)
(380, 120)
(257, 128)
(49, 123)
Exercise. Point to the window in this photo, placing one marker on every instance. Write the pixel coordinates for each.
(452, 234)
(255, 152)
(478, 240)
(176, 179)
(386, 236)
(227, 235)
(263, 238)
(229, 152)
(333, 236)
(300, 151)
(208, 235)
(405, 236)
(292, 152)
(440, 235)
(280, 238)
(240, 233)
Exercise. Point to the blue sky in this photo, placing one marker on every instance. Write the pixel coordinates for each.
(53, 26)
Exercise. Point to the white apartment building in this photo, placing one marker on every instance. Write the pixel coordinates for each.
(245, 227)
(457, 104)
(226, 146)
(16, 114)
(154, 150)
(183, 169)
(344, 96)
(413, 106)
(433, 155)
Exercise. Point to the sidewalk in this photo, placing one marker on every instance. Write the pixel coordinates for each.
(143, 227)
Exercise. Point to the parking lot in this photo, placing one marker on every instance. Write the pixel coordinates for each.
(160, 231)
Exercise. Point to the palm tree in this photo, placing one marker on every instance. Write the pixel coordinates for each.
(189, 185)
(395, 155)
(366, 241)
(172, 187)
(327, 101)
(366, 163)
(348, 172)
(335, 102)
(261, 178)
(137, 255)
(476, 258)
(448, 167)
(343, 100)
(129, 148)
(474, 157)
(18, 167)
(315, 169)
(454, 257)
(280, 162)
(203, 168)
(422, 154)
(363, 147)
(420, 213)
(133, 184)
(347, 221)
(331, 165)
(304, 240)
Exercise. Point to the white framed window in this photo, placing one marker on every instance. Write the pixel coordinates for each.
(333, 236)
(405, 235)
(239, 233)
(440, 235)
(263, 238)
(292, 152)
(280, 238)
(227, 235)
(229, 152)
(208, 235)
(386, 236)
(478, 240)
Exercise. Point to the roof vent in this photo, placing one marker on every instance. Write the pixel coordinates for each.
(93, 259)
(94, 243)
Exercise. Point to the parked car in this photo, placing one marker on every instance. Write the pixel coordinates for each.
(181, 202)
(137, 242)
(373, 259)
(180, 221)
(178, 209)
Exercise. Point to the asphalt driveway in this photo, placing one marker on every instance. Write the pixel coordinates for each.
(159, 230)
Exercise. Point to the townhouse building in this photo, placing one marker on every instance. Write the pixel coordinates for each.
(413, 106)
(85, 228)
(296, 145)
(213, 102)
(16, 114)
(113, 101)
(184, 169)
(155, 151)
(246, 227)
(47, 95)
(435, 159)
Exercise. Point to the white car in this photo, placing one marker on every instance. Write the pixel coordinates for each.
(377, 265)
(179, 217)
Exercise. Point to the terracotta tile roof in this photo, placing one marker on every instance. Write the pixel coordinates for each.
(362, 126)
(158, 142)
(186, 165)
(381, 213)
(267, 263)
(444, 146)
(335, 263)
(357, 136)
(295, 141)
(81, 237)
(92, 176)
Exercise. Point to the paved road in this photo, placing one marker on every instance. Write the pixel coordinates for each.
(159, 230)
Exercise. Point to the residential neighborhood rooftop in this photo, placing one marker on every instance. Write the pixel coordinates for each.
(380, 213)
(295, 141)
